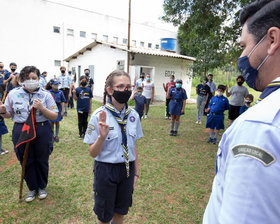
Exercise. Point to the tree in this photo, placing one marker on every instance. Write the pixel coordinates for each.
(208, 30)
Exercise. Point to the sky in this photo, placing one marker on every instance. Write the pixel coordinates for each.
(142, 11)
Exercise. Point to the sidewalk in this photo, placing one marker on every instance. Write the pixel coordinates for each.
(156, 103)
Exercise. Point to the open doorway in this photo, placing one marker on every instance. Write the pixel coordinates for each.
(136, 70)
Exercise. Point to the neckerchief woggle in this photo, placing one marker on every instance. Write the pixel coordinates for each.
(122, 123)
(270, 88)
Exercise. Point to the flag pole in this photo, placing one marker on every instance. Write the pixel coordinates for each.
(128, 37)
(25, 156)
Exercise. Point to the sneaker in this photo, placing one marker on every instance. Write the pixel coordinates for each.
(56, 139)
(210, 140)
(65, 114)
(42, 194)
(30, 196)
(80, 137)
(199, 122)
(214, 141)
(171, 133)
(166, 117)
(175, 133)
(3, 151)
(145, 117)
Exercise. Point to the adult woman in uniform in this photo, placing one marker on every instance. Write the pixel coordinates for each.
(17, 106)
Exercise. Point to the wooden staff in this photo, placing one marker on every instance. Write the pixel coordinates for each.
(5, 93)
(25, 156)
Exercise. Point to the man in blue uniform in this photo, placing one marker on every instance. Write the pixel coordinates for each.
(65, 83)
(90, 82)
(9, 77)
(246, 186)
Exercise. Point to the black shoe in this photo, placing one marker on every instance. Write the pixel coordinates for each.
(171, 133)
(175, 133)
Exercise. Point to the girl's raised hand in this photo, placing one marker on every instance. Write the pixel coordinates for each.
(102, 126)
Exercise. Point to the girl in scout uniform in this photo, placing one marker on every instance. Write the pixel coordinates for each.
(112, 133)
(17, 106)
(59, 98)
(177, 105)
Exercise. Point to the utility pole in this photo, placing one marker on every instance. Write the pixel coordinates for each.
(128, 37)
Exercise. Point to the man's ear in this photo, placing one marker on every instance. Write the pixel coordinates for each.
(274, 37)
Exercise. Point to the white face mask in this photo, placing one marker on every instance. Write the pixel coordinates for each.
(219, 93)
(31, 84)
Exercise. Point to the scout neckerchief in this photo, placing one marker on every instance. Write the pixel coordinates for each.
(273, 86)
(122, 123)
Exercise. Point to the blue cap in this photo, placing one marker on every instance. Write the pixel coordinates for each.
(54, 82)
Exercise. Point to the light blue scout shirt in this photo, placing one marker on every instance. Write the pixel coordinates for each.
(112, 150)
(17, 104)
(65, 81)
(42, 81)
(246, 187)
(212, 86)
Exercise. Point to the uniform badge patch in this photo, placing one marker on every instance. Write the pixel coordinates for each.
(90, 129)
(254, 152)
(132, 118)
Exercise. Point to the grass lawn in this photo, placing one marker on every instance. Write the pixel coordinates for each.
(176, 175)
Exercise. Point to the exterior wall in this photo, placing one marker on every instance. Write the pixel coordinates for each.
(105, 60)
(27, 37)
(163, 68)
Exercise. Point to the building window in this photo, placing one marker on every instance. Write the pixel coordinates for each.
(134, 43)
(120, 65)
(157, 46)
(56, 29)
(105, 38)
(142, 44)
(149, 45)
(82, 34)
(124, 41)
(115, 40)
(94, 36)
(70, 32)
(57, 63)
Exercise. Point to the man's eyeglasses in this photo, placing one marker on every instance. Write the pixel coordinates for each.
(122, 87)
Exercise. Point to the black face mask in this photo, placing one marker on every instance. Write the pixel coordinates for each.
(13, 69)
(122, 96)
(239, 83)
(1, 67)
(87, 74)
(62, 71)
(83, 84)
(69, 73)
(141, 77)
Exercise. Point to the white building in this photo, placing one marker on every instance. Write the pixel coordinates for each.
(44, 32)
(102, 58)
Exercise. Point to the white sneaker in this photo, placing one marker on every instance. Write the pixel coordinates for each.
(30, 196)
(145, 117)
(42, 194)
(3, 151)
(199, 122)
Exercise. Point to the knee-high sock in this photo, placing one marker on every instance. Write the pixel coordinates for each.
(65, 109)
(0, 141)
(177, 126)
(172, 125)
(216, 135)
(211, 134)
(57, 130)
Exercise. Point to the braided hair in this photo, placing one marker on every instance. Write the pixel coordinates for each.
(110, 82)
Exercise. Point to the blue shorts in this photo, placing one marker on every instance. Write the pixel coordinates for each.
(112, 189)
(215, 121)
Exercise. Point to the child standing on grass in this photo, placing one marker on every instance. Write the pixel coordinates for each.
(83, 95)
(112, 133)
(3, 130)
(59, 98)
(177, 105)
(217, 106)
(248, 100)
(140, 101)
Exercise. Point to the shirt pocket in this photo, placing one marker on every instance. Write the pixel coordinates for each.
(131, 139)
(111, 141)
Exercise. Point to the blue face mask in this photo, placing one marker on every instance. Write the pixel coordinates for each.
(178, 85)
(139, 93)
(148, 79)
(247, 71)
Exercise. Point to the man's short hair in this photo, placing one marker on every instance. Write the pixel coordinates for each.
(222, 87)
(86, 69)
(240, 77)
(139, 88)
(210, 75)
(62, 67)
(250, 96)
(13, 64)
(260, 16)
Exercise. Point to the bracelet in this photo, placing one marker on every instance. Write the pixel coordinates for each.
(137, 175)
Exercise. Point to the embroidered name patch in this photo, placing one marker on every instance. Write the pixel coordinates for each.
(90, 129)
(254, 152)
